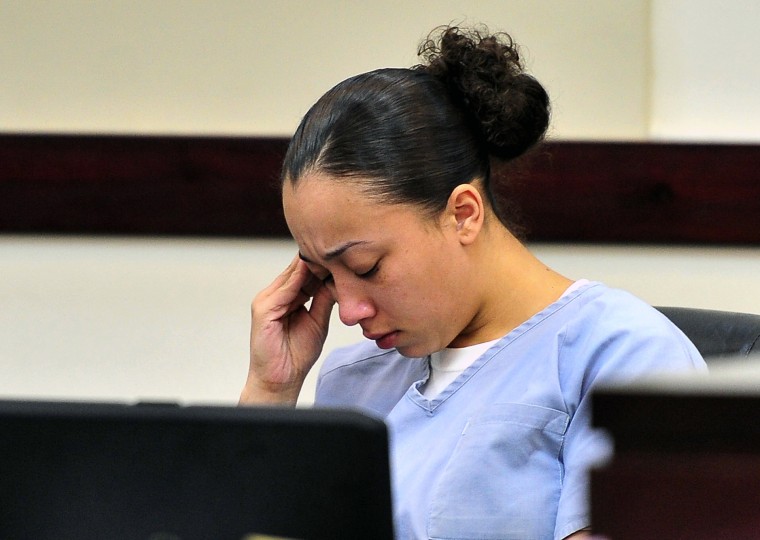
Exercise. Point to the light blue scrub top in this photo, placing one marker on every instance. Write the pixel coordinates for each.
(503, 452)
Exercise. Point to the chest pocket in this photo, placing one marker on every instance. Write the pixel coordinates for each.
(504, 478)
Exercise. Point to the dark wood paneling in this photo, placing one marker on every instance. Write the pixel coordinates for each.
(686, 459)
(212, 186)
(141, 185)
(677, 497)
(644, 192)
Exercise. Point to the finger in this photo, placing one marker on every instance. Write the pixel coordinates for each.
(321, 307)
(300, 280)
(311, 286)
(288, 286)
(283, 295)
(299, 302)
(285, 275)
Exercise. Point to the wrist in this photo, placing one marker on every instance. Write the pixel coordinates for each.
(256, 392)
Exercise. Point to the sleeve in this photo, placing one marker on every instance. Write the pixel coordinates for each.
(615, 339)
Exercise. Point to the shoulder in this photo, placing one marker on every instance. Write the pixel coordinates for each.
(597, 308)
(359, 356)
(365, 376)
(595, 299)
(620, 335)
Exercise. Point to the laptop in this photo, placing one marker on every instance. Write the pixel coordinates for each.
(79, 470)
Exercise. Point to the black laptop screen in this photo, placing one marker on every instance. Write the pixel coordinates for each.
(93, 471)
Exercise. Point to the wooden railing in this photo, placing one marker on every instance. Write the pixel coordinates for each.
(228, 186)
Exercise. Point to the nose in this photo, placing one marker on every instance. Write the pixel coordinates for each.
(353, 307)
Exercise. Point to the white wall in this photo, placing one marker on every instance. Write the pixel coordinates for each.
(132, 319)
(616, 69)
(705, 70)
(168, 319)
(254, 67)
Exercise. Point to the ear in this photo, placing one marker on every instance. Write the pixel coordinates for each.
(465, 211)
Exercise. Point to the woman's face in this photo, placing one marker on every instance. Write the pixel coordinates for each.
(401, 276)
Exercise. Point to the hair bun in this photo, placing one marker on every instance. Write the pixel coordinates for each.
(484, 72)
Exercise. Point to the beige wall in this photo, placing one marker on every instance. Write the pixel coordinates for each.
(133, 319)
(705, 70)
(168, 319)
(616, 69)
(254, 67)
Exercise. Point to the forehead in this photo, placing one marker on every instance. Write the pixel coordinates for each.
(320, 186)
(323, 212)
(320, 196)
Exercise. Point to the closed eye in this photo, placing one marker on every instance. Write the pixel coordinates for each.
(371, 272)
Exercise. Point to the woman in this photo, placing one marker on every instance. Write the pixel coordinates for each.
(479, 357)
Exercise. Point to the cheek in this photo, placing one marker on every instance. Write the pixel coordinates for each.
(414, 288)
(418, 279)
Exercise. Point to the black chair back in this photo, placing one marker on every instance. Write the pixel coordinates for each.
(717, 334)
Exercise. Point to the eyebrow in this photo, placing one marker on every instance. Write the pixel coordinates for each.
(335, 252)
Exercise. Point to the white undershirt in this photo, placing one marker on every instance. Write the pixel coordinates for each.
(447, 364)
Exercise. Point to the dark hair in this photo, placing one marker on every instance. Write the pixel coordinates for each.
(413, 135)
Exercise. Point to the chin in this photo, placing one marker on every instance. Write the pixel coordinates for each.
(412, 351)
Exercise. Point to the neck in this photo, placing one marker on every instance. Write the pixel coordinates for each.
(523, 286)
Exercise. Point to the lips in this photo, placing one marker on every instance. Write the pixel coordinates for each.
(384, 341)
